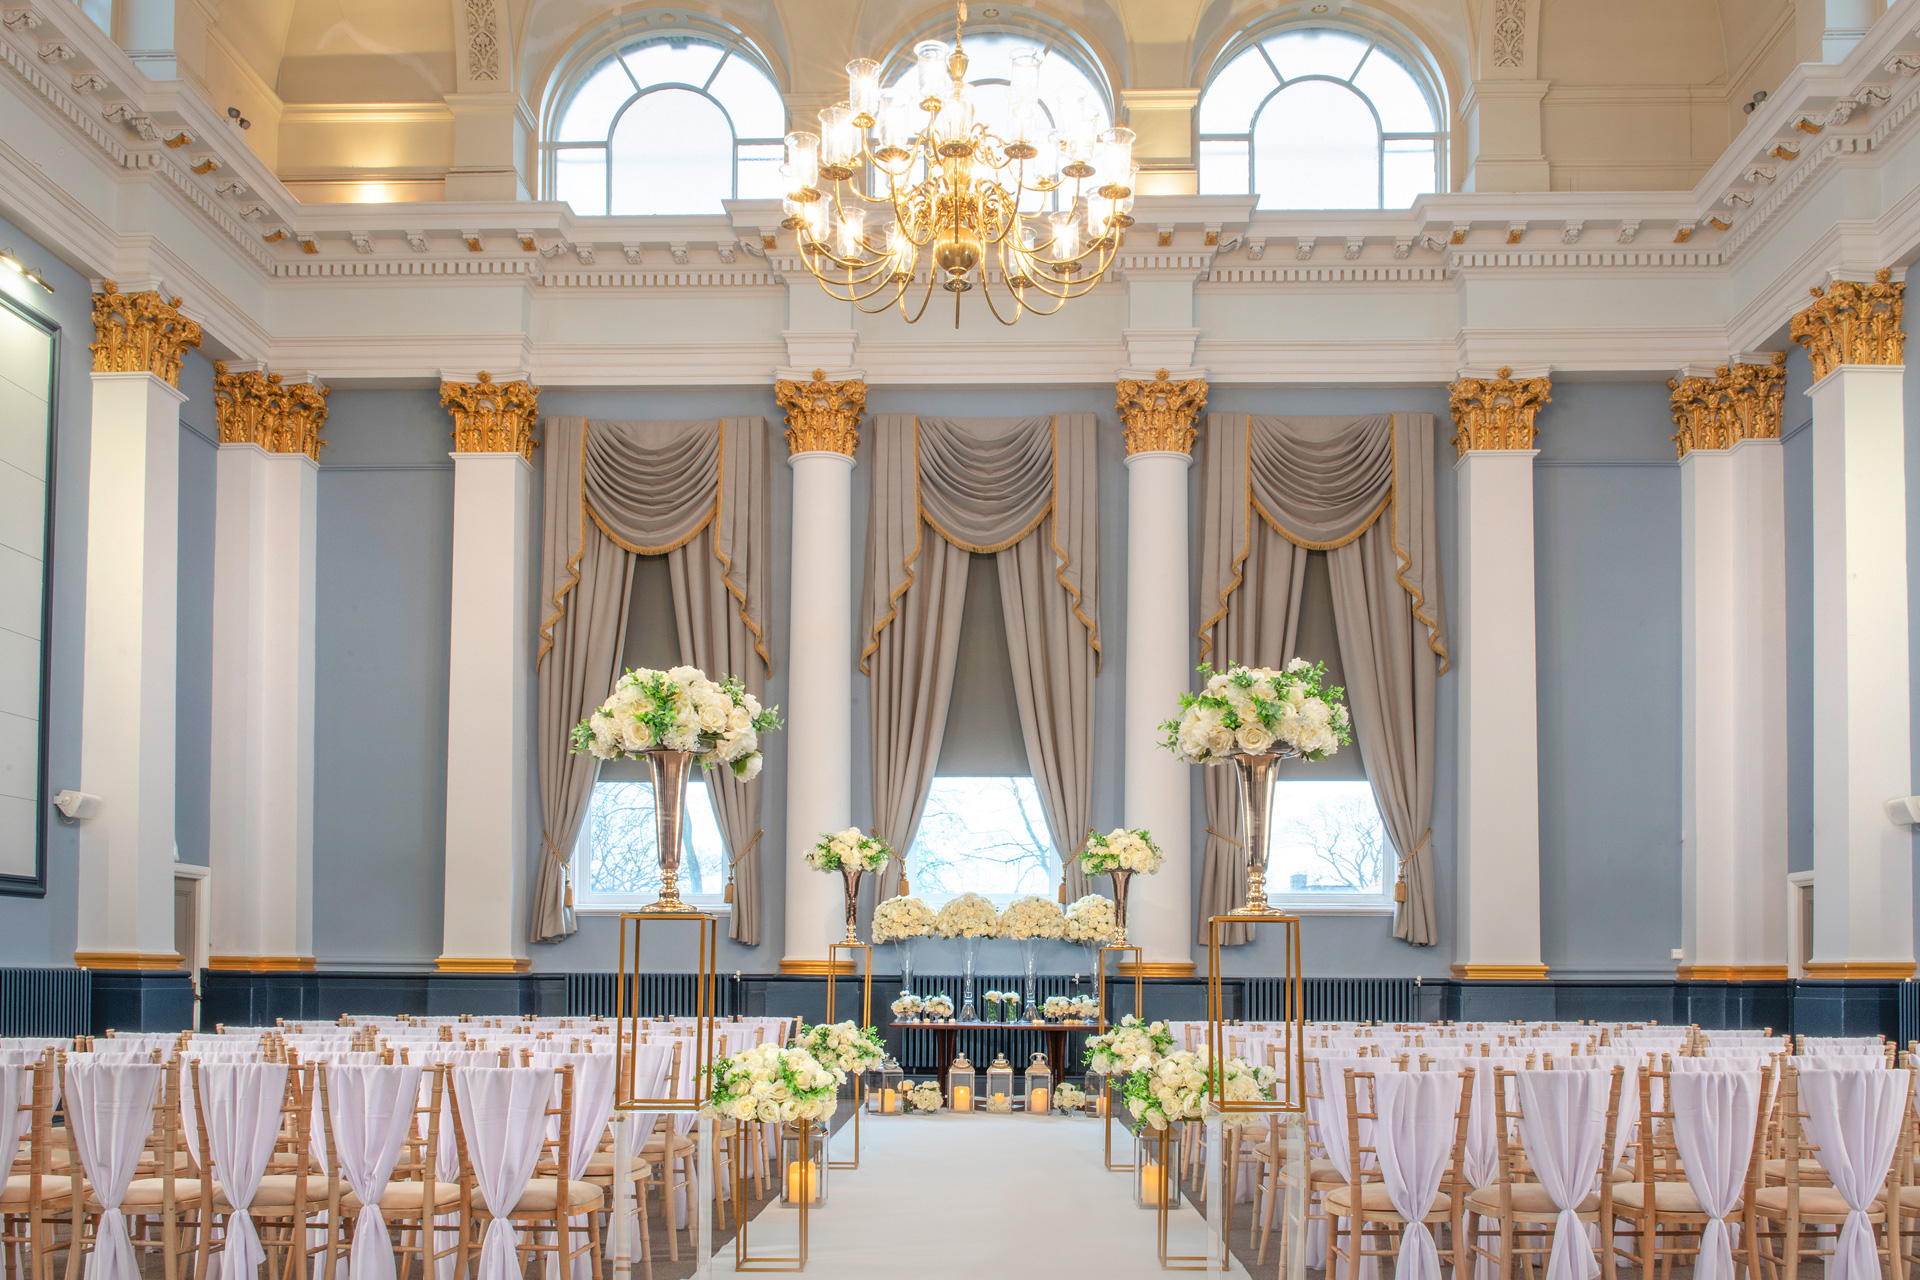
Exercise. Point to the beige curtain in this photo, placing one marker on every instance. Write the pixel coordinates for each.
(696, 492)
(1022, 490)
(1360, 489)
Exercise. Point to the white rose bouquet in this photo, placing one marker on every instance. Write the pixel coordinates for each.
(967, 916)
(1056, 1007)
(922, 1097)
(1257, 710)
(771, 1084)
(844, 850)
(1132, 1046)
(1090, 919)
(908, 1006)
(939, 1008)
(1032, 917)
(1120, 850)
(1085, 1007)
(842, 1046)
(680, 710)
(898, 918)
(1068, 1099)
(1176, 1088)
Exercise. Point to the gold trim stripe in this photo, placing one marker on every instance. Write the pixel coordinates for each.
(818, 968)
(480, 964)
(128, 960)
(1731, 972)
(1878, 969)
(262, 964)
(1156, 968)
(1502, 972)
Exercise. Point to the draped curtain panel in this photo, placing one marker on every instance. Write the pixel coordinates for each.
(1022, 490)
(1360, 489)
(697, 493)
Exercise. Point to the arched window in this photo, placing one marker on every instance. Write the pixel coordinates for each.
(672, 124)
(1321, 118)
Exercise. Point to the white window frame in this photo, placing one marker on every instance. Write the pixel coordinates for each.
(588, 903)
(1339, 902)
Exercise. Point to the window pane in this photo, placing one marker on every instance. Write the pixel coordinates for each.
(590, 113)
(580, 178)
(1315, 146)
(672, 153)
(1322, 52)
(622, 858)
(751, 99)
(1327, 838)
(1395, 93)
(982, 835)
(675, 60)
(760, 171)
(1235, 94)
(1409, 171)
(1223, 168)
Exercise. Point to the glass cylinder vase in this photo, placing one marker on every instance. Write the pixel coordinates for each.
(905, 946)
(968, 1012)
(1030, 954)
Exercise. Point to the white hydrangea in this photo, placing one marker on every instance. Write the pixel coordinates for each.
(968, 916)
(1033, 916)
(898, 918)
(1090, 919)
(850, 848)
(1120, 850)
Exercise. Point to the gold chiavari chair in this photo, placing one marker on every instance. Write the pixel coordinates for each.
(1365, 1204)
(33, 1198)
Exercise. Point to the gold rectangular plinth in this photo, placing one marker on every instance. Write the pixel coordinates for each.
(816, 968)
(1501, 972)
(627, 1015)
(127, 960)
(1290, 1090)
(481, 964)
(262, 964)
(1876, 969)
(1731, 973)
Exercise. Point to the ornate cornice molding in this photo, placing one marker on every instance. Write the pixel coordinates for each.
(1159, 415)
(140, 333)
(1740, 402)
(822, 416)
(1497, 412)
(1853, 323)
(492, 417)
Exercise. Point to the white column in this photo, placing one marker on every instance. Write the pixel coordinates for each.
(1862, 863)
(1159, 795)
(1498, 860)
(484, 928)
(819, 696)
(127, 718)
(261, 801)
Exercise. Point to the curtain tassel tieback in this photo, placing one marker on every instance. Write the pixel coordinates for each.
(898, 857)
(1067, 862)
(727, 897)
(1229, 839)
(1400, 872)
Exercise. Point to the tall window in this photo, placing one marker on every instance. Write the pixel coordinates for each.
(1321, 118)
(618, 862)
(672, 124)
(26, 497)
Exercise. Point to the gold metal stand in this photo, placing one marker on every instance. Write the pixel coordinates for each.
(866, 1020)
(1102, 1026)
(743, 1256)
(627, 1015)
(1168, 1172)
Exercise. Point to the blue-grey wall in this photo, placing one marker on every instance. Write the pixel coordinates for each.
(1796, 465)
(193, 694)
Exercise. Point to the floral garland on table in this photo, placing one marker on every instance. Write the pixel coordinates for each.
(1090, 919)
(967, 916)
(680, 710)
(1032, 917)
(899, 918)
(842, 1046)
(1132, 1046)
(1056, 1007)
(1120, 850)
(1177, 1087)
(844, 850)
(1253, 709)
(922, 1097)
(1067, 1099)
(938, 1008)
(771, 1084)
(908, 1007)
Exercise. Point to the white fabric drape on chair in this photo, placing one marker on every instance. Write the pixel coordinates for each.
(1328, 1113)
(1854, 1117)
(503, 1113)
(592, 1109)
(16, 1090)
(1563, 1127)
(1413, 1138)
(241, 1102)
(1714, 1114)
(369, 1110)
(110, 1114)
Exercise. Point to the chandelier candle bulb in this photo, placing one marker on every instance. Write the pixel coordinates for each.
(838, 141)
(930, 57)
(852, 232)
(863, 91)
(1024, 84)
(1113, 161)
(803, 165)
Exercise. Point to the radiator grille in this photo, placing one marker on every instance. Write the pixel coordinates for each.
(656, 995)
(45, 1002)
(915, 1051)
(1909, 1013)
(1336, 999)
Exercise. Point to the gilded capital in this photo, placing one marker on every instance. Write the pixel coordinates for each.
(140, 333)
(254, 407)
(492, 417)
(1740, 402)
(1160, 416)
(1497, 413)
(822, 416)
(1852, 323)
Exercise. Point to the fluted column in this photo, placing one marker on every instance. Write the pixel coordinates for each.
(483, 928)
(1733, 671)
(823, 429)
(1498, 861)
(1159, 416)
(260, 803)
(1862, 751)
(133, 547)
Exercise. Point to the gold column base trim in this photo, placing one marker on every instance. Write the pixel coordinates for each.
(1502, 972)
(127, 960)
(1881, 969)
(1731, 972)
(817, 968)
(481, 964)
(262, 964)
(1156, 969)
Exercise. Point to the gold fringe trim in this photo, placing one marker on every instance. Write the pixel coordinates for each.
(637, 550)
(573, 564)
(1066, 561)
(726, 562)
(1308, 543)
(893, 598)
(1206, 639)
(1406, 562)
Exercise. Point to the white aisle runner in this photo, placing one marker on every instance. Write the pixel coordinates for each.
(970, 1196)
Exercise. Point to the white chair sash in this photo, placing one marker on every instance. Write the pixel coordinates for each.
(1563, 1127)
(242, 1106)
(16, 1091)
(1854, 1116)
(110, 1112)
(503, 1113)
(592, 1109)
(1413, 1138)
(1714, 1114)
(371, 1110)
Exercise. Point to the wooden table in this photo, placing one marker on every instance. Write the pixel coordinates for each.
(946, 1037)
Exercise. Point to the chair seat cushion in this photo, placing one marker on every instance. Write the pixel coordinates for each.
(1319, 1172)
(1668, 1197)
(16, 1195)
(1529, 1198)
(601, 1166)
(406, 1197)
(276, 1192)
(542, 1195)
(1373, 1199)
(149, 1193)
(1815, 1202)
(1810, 1171)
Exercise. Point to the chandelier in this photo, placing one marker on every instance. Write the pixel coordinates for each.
(1032, 218)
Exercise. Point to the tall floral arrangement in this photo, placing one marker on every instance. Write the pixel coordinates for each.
(1176, 1088)
(1032, 917)
(771, 1084)
(968, 916)
(1090, 919)
(680, 710)
(898, 918)
(843, 1047)
(1120, 850)
(1133, 1045)
(1256, 710)
(844, 850)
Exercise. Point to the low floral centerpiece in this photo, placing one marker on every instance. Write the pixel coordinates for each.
(924, 1098)
(844, 1047)
(908, 1007)
(1120, 854)
(1090, 920)
(1133, 1045)
(852, 853)
(903, 921)
(1069, 1100)
(938, 1008)
(1176, 1088)
(771, 1084)
(1056, 1008)
(1082, 1009)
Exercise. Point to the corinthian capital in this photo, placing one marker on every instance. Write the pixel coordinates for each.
(140, 333)
(1159, 415)
(492, 417)
(822, 416)
(1852, 323)
(1497, 412)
